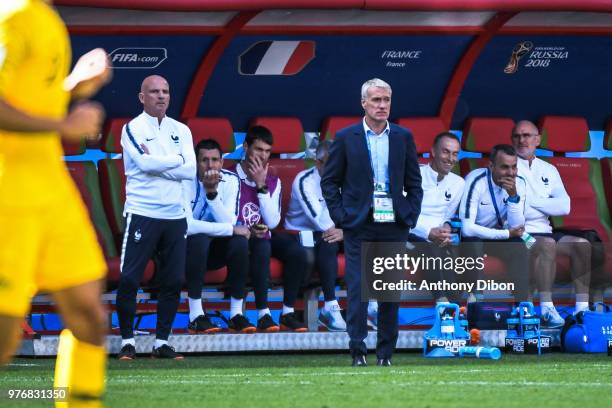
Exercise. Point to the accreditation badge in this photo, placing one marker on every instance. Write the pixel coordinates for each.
(383, 205)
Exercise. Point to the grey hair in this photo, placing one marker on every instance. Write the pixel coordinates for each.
(379, 83)
(323, 149)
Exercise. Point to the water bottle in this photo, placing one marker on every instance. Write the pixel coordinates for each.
(528, 240)
(455, 234)
(513, 324)
(529, 321)
(447, 326)
(492, 353)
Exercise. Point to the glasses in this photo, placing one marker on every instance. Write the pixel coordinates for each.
(517, 135)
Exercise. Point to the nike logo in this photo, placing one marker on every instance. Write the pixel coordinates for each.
(483, 203)
(148, 140)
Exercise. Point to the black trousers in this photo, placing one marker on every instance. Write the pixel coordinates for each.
(147, 238)
(204, 252)
(326, 260)
(287, 249)
(357, 311)
(431, 249)
(512, 252)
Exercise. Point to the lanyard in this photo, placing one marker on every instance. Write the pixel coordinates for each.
(499, 219)
(197, 198)
(370, 156)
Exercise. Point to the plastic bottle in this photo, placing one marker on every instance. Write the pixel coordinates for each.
(455, 234)
(447, 326)
(492, 353)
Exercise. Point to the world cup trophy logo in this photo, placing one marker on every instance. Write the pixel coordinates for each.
(518, 52)
(250, 214)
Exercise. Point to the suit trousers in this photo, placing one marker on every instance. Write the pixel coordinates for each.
(357, 311)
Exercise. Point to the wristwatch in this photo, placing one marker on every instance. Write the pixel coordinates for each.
(514, 199)
(262, 190)
(212, 196)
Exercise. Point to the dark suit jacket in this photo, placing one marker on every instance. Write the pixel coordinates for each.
(348, 183)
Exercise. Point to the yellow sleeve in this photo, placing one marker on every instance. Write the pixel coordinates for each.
(14, 46)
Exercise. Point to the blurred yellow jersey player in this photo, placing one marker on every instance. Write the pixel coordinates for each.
(47, 242)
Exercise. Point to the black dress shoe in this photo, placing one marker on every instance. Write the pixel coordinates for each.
(385, 362)
(359, 361)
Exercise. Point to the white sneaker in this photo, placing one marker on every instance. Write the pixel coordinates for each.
(551, 318)
(332, 319)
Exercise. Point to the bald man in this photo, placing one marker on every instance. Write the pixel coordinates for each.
(546, 197)
(158, 154)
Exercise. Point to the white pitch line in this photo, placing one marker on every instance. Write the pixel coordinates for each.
(210, 382)
(507, 383)
(546, 384)
(262, 378)
(375, 372)
(245, 375)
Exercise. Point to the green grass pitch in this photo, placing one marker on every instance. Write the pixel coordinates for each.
(327, 380)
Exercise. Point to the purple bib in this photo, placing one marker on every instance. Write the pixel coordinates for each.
(249, 213)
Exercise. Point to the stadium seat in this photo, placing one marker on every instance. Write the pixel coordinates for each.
(112, 187)
(219, 129)
(468, 164)
(606, 168)
(286, 170)
(481, 134)
(583, 179)
(73, 149)
(287, 132)
(562, 134)
(216, 276)
(334, 123)
(111, 136)
(85, 177)
(424, 130)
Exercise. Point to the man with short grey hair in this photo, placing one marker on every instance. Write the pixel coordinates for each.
(308, 214)
(378, 203)
(548, 198)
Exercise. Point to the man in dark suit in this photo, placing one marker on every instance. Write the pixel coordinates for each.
(372, 186)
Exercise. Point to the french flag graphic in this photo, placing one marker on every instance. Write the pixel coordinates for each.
(276, 57)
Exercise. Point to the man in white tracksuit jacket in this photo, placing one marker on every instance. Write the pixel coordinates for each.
(158, 154)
